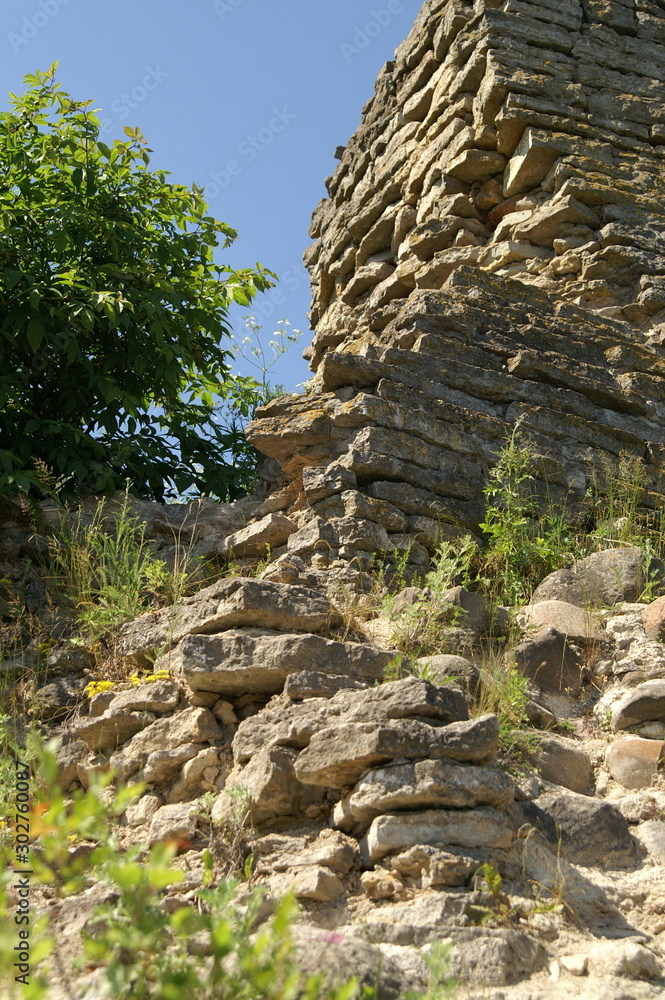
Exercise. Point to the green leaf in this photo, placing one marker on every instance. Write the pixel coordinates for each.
(35, 334)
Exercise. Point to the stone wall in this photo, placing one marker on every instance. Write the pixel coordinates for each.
(491, 248)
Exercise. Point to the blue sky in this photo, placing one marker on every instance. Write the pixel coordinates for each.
(248, 98)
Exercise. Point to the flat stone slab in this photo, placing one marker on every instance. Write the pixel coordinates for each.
(575, 623)
(192, 725)
(110, 730)
(160, 697)
(241, 661)
(228, 603)
(339, 755)
(472, 828)
(423, 784)
(287, 724)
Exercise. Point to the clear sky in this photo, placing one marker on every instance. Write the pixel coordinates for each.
(248, 98)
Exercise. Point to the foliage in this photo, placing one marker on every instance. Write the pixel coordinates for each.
(424, 627)
(113, 311)
(522, 547)
(106, 571)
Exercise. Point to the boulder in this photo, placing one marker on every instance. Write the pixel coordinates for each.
(562, 585)
(472, 609)
(551, 660)
(423, 784)
(614, 575)
(286, 723)
(588, 830)
(68, 757)
(633, 761)
(338, 756)
(259, 661)
(644, 703)
(468, 828)
(577, 625)
(141, 812)
(562, 762)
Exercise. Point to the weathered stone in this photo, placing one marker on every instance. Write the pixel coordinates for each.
(612, 576)
(163, 766)
(108, 731)
(654, 620)
(473, 610)
(431, 867)
(175, 822)
(271, 787)
(444, 668)
(68, 758)
(338, 756)
(192, 725)
(589, 831)
(320, 483)
(562, 585)
(574, 623)
(633, 761)
(226, 604)
(193, 782)
(255, 540)
(312, 684)
(467, 828)
(550, 660)
(624, 958)
(142, 812)
(652, 835)
(644, 703)
(562, 762)
(257, 660)
(425, 784)
(289, 724)
(160, 697)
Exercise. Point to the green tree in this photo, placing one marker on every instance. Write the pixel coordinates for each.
(113, 312)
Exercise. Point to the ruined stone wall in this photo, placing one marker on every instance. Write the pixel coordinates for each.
(492, 248)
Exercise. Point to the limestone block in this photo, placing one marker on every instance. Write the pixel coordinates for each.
(613, 576)
(633, 761)
(652, 835)
(254, 540)
(319, 482)
(174, 822)
(531, 162)
(192, 782)
(547, 223)
(424, 784)
(477, 165)
(163, 766)
(160, 697)
(271, 786)
(338, 756)
(259, 661)
(284, 722)
(624, 958)
(141, 812)
(108, 731)
(468, 828)
(191, 725)
(314, 684)
(644, 703)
